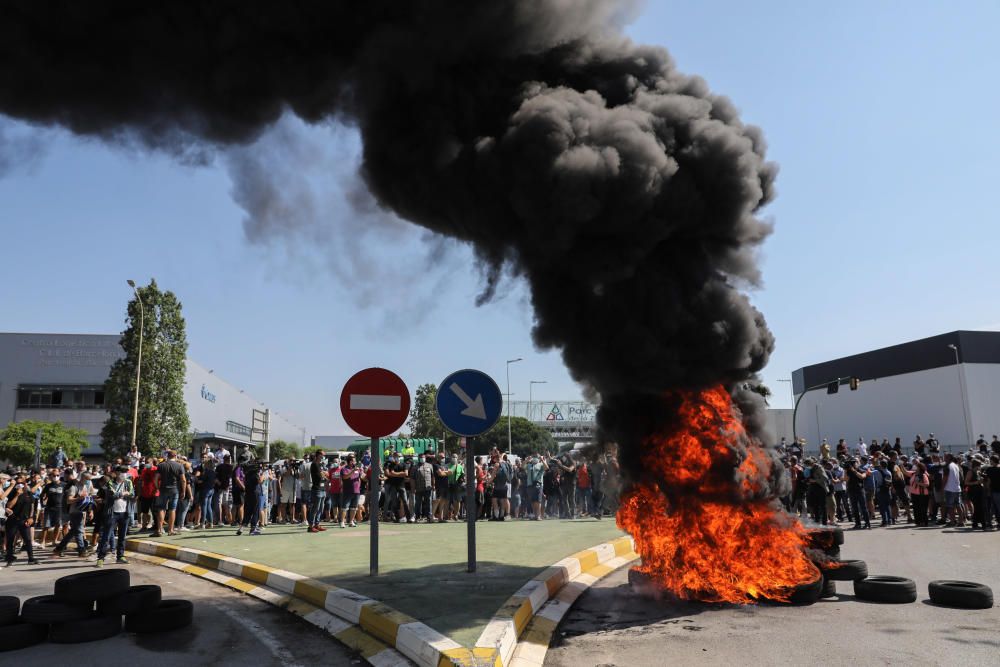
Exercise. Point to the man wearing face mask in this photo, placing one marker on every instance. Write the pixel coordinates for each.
(535, 473)
(115, 495)
(19, 510)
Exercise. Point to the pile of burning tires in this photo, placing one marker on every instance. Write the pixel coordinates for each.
(825, 543)
(89, 606)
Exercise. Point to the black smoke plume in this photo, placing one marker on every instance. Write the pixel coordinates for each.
(625, 193)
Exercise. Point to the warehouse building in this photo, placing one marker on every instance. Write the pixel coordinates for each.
(60, 377)
(948, 385)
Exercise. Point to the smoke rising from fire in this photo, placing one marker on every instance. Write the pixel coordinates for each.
(625, 193)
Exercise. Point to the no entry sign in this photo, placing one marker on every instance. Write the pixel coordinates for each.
(375, 402)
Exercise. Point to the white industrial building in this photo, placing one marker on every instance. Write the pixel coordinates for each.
(948, 385)
(60, 377)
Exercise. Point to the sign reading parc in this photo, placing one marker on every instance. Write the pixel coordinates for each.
(375, 402)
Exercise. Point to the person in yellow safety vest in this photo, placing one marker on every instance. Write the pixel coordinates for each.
(409, 450)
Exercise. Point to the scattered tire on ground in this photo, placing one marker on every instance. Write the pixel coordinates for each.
(886, 588)
(844, 570)
(10, 608)
(168, 615)
(45, 609)
(829, 589)
(90, 629)
(825, 537)
(21, 634)
(90, 586)
(133, 601)
(962, 594)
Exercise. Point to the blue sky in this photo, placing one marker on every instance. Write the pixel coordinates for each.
(882, 116)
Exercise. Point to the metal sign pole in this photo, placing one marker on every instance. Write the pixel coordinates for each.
(374, 491)
(470, 501)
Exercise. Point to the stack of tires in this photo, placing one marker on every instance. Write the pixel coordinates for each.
(89, 606)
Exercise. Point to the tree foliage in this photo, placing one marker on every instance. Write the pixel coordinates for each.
(424, 421)
(309, 451)
(283, 449)
(526, 438)
(17, 441)
(163, 421)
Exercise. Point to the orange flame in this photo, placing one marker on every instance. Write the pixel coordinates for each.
(707, 529)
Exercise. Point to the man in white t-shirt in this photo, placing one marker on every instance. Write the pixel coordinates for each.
(952, 489)
(862, 447)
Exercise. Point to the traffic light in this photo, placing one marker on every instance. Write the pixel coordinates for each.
(854, 383)
(833, 387)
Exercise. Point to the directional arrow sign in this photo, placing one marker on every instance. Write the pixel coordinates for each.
(468, 402)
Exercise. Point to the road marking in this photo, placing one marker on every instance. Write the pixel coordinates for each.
(374, 402)
(277, 649)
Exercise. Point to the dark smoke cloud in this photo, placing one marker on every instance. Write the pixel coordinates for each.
(625, 193)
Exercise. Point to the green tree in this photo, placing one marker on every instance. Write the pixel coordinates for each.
(17, 441)
(163, 421)
(424, 421)
(283, 449)
(309, 451)
(526, 438)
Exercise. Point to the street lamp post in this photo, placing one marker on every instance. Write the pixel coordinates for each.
(138, 363)
(961, 389)
(509, 362)
(531, 385)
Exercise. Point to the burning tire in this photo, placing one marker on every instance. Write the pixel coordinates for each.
(824, 538)
(21, 634)
(805, 594)
(962, 594)
(133, 601)
(832, 552)
(90, 586)
(168, 615)
(845, 570)
(885, 588)
(829, 589)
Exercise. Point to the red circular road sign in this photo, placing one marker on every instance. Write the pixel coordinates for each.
(375, 402)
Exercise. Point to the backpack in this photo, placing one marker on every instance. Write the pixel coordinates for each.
(503, 473)
(422, 478)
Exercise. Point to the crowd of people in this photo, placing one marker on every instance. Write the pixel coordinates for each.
(71, 504)
(923, 485)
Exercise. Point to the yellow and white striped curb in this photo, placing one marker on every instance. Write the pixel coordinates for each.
(371, 649)
(411, 638)
(520, 632)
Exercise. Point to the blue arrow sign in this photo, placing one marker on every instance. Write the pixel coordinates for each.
(468, 402)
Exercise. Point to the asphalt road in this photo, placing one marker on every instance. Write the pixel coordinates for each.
(611, 626)
(229, 628)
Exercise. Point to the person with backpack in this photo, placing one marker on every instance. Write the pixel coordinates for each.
(502, 474)
(423, 484)
(79, 501)
(883, 492)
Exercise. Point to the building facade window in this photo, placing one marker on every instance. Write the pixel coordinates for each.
(70, 397)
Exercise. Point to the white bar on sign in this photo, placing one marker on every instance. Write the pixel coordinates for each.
(374, 402)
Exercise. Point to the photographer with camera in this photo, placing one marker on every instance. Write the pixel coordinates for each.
(291, 471)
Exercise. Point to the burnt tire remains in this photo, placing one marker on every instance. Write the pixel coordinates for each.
(962, 594)
(886, 588)
(10, 607)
